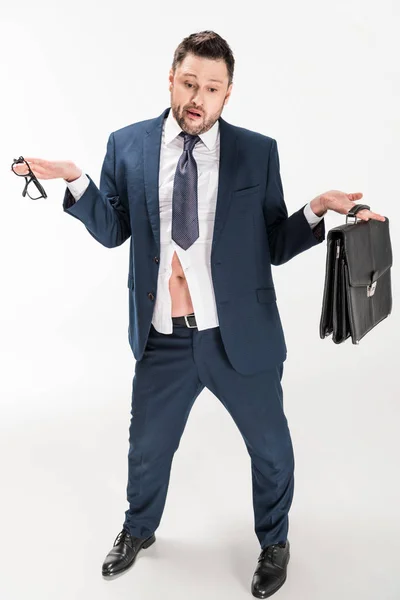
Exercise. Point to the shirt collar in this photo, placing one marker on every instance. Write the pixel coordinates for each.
(172, 130)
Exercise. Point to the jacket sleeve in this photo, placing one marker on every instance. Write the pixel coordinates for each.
(287, 236)
(103, 211)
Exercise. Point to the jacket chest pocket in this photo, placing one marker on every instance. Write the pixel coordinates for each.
(247, 191)
(245, 200)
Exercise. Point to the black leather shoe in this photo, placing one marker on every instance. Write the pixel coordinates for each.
(270, 573)
(123, 552)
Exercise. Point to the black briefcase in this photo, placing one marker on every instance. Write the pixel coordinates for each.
(358, 290)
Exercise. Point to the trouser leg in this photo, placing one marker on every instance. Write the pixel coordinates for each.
(164, 388)
(255, 402)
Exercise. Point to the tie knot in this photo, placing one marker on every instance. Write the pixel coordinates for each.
(189, 140)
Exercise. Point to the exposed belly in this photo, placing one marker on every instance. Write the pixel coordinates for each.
(179, 290)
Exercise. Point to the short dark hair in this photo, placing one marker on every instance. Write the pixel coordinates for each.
(206, 44)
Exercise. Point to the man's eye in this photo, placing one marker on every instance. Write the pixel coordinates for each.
(212, 89)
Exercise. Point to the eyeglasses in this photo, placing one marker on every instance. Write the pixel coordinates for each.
(29, 178)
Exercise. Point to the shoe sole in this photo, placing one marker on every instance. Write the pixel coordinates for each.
(145, 544)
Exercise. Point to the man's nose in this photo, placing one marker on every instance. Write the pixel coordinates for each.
(197, 100)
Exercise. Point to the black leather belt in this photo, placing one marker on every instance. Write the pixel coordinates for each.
(187, 320)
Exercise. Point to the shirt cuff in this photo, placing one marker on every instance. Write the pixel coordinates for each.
(79, 186)
(311, 217)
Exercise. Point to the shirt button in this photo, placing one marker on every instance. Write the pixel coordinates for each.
(150, 295)
(156, 259)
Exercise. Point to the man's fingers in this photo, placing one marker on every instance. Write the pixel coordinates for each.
(377, 216)
(39, 172)
(36, 161)
(365, 215)
(22, 168)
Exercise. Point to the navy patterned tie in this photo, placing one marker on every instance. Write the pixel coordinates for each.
(185, 221)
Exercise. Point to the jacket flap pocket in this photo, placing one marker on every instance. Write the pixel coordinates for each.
(266, 294)
(248, 190)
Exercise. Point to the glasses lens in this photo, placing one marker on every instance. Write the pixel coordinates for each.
(35, 191)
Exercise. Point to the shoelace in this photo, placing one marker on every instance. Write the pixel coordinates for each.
(124, 536)
(269, 552)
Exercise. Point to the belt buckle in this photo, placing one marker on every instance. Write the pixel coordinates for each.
(187, 322)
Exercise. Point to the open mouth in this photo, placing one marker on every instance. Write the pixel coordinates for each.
(193, 114)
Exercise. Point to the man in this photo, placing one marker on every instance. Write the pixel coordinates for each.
(202, 203)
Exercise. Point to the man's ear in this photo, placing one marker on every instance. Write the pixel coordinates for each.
(171, 79)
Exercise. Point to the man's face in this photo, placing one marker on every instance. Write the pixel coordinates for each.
(200, 84)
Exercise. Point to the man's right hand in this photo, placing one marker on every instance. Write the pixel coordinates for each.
(49, 169)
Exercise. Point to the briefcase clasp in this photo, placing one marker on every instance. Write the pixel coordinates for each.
(356, 219)
(371, 289)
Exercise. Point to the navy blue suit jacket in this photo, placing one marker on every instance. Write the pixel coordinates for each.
(252, 232)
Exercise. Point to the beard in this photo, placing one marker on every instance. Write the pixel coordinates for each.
(203, 124)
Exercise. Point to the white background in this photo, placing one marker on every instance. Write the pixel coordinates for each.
(321, 78)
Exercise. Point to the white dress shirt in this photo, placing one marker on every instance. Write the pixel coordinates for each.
(196, 260)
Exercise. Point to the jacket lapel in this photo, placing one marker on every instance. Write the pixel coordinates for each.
(151, 165)
(227, 168)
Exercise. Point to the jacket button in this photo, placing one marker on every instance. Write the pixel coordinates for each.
(150, 295)
(156, 259)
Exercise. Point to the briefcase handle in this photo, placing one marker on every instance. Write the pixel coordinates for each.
(353, 211)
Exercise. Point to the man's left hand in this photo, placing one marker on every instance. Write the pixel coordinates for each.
(341, 203)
